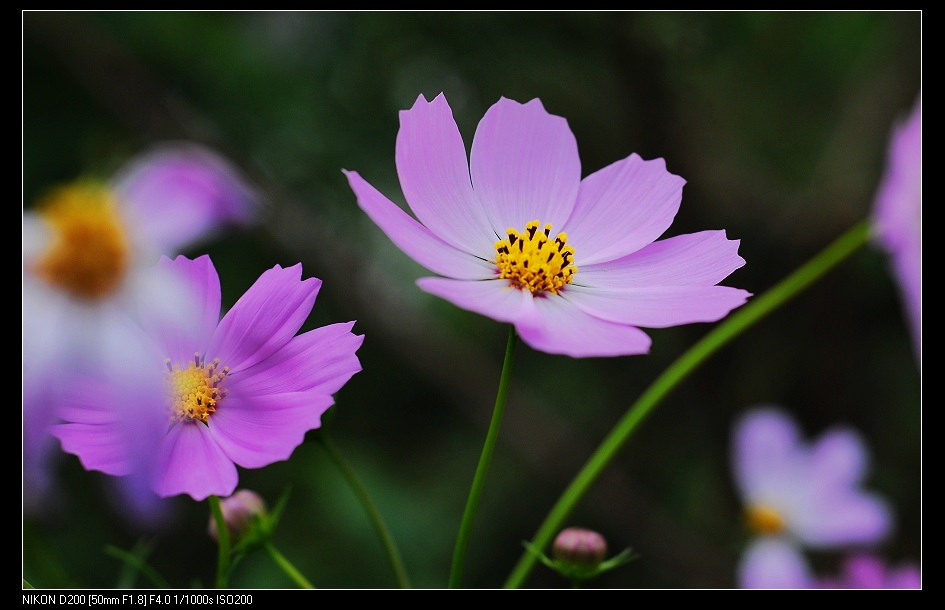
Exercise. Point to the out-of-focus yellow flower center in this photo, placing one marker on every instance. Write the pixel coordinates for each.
(763, 519)
(89, 250)
(533, 260)
(194, 392)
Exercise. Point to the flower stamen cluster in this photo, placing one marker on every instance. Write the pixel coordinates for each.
(532, 260)
(763, 519)
(194, 392)
(89, 252)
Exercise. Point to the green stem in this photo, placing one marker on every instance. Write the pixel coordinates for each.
(475, 492)
(750, 314)
(373, 513)
(223, 542)
(136, 560)
(287, 567)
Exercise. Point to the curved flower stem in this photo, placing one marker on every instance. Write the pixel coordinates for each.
(755, 310)
(223, 542)
(287, 567)
(475, 492)
(386, 539)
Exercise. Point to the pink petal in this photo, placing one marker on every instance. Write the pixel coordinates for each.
(114, 424)
(321, 360)
(897, 216)
(42, 353)
(832, 509)
(864, 572)
(839, 458)
(622, 208)
(266, 318)
(496, 299)
(554, 325)
(772, 563)
(846, 517)
(434, 175)
(259, 430)
(766, 444)
(549, 324)
(524, 165)
(190, 462)
(417, 241)
(177, 194)
(181, 308)
(705, 259)
(657, 307)
(98, 446)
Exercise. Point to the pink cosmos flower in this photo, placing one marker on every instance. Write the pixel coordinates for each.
(898, 216)
(195, 396)
(800, 495)
(573, 264)
(86, 248)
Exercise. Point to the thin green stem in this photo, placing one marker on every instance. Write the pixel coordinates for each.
(475, 492)
(373, 513)
(287, 567)
(750, 314)
(223, 542)
(136, 561)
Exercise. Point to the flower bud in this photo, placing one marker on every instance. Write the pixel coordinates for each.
(239, 511)
(580, 548)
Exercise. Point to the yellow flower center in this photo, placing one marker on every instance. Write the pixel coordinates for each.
(532, 260)
(193, 393)
(763, 519)
(89, 252)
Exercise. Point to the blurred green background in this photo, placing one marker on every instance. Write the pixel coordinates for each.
(779, 123)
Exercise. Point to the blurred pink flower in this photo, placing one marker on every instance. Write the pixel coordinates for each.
(799, 495)
(86, 248)
(573, 264)
(897, 216)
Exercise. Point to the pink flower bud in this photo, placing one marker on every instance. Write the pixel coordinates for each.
(238, 513)
(577, 546)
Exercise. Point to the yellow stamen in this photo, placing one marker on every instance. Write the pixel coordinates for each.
(533, 260)
(194, 392)
(89, 251)
(763, 519)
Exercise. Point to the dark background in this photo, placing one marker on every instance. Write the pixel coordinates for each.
(779, 122)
